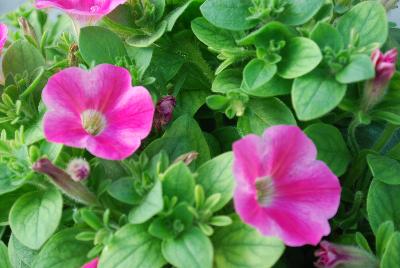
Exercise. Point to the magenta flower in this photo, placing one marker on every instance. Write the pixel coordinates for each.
(282, 190)
(98, 110)
(3, 35)
(164, 111)
(385, 67)
(335, 256)
(83, 11)
(92, 264)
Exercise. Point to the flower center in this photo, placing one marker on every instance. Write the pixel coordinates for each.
(265, 191)
(93, 122)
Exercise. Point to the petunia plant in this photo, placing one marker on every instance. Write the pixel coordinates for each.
(200, 134)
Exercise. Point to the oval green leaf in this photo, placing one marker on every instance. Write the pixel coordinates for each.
(257, 73)
(384, 169)
(298, 12)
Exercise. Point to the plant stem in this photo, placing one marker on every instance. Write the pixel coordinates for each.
(352, 138)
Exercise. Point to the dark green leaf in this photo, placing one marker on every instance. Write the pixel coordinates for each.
(179, 181)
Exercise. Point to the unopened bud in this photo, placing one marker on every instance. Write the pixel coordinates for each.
(78, 169)
(187, 158)
(164, 111)
(334, 256)
(28, 30)
(72, 58)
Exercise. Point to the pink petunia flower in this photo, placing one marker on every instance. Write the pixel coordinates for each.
(385, 68)
(334, 256)
(3, 35)
(92, 264)
(83, 11)
(98, 110)
(281, 189)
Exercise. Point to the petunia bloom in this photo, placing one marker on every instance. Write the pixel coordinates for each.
(334, 256)
(92, 264)
(98, 110)
(83, 11)
(281, 189)
(3, 35)
(385, 68)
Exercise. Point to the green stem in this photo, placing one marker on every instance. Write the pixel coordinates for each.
(352, 138)
(34, 84)
(385, 137)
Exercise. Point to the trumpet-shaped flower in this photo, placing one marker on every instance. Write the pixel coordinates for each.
(83, 11)
(281, 189)
(98, 110)
(3, 35)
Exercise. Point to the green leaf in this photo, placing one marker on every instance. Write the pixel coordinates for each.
(4, 261)
(63, 251)
(191, 249)
(20, 255)
(257, 73)
(391, 258)
(100, 45)
(183, 136)
(123, 190)
(172, 17)
(263, 113)
(331, 146)
(368, 19)
(360, 68)
(35, 217)
(190, 101)
(389, 109)
(383, 205)
(384, 169)
(299, 57)
(7, 201)
(21, 56)
(383, 236)
(6, 180)
(298, 12)
(147, 40)
(315, 95)
(275, 87)
(325, 35)
(179, 181)
(227, 80)
(272, 31)
(212, 36)
(216, 177)
(228, 14)
(132, 246)
(240, 246)
(150, 206)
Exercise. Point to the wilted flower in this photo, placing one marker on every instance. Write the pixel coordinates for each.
(98, 110)
(82, 11)
(78, 169)
(3, 35)
(338, 256)
(92, 264)
(164, 111)
(385, 67)
(281, 189)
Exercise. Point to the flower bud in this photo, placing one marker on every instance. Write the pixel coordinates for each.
(164, 111)
(389, 4)
(28, 30)
(385, 67)
(92, 264)
(78, 169)
(332, 255)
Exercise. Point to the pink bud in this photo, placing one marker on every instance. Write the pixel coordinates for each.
(164, 111)
(92, 264)
(78, 169)
(385, 67)
(331, 255)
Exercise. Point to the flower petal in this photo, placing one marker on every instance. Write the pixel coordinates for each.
(63, 127)
(81, 7)
(3, 35)
(92, 264)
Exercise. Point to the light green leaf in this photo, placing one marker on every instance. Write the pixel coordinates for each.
(240, 246)
(331, 146)
(4, 261)
(132, 246)
(325, 35)
(299, 57)
(263, 113)
(20, 255)
(367, 19)
(216, 177)
(391, 258)
(100, 45)
(192, 249)
(360, 68)
(383, 236)
(298, 12)
(228, 14)
(147, 40)
(227, 80)
(179, 181)
(35, 216)
(123, 190)
(63, 251)
(315, 95)
(384, 169)
(257, 73)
